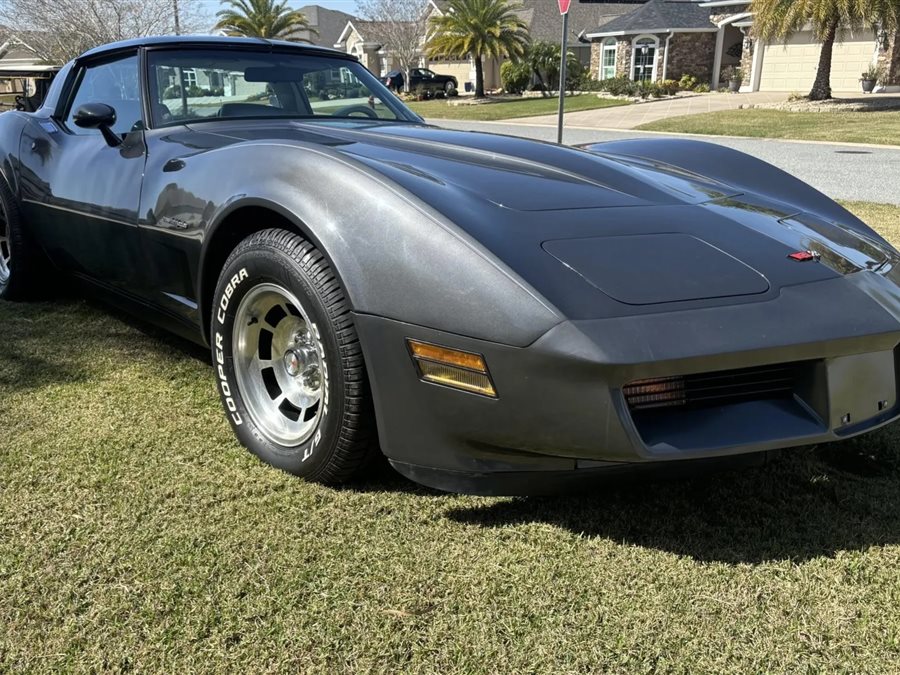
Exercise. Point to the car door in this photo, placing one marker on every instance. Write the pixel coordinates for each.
(416, 77)
(80, 192)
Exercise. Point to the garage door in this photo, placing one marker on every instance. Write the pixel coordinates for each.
(792, 66)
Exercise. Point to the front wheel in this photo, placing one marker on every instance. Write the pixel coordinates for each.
(450, 87)
(290, 369)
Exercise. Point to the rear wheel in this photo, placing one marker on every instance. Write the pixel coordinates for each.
(289, 364)
(19, 263)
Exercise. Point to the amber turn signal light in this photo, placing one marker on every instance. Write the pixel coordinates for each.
(452, 368)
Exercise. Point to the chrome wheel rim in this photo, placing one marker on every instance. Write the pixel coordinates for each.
(5, 251)
(279, 363)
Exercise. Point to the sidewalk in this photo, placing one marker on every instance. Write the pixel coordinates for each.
(631, 116)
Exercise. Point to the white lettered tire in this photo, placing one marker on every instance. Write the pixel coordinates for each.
(288, 363)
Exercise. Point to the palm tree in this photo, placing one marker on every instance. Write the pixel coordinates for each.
(779, 19)
(478, 28)
(262, 18)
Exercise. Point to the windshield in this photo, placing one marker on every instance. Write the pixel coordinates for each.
(194, 85)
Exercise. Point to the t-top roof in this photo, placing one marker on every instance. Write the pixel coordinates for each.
(207, 40)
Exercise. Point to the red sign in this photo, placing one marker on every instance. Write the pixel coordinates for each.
(564, 6)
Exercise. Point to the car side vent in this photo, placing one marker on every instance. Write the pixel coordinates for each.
(708, 390)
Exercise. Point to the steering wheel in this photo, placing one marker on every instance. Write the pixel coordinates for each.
(350, 109)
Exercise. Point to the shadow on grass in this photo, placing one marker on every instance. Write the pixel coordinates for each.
(802, 504)
(43, 342)
(24, 367)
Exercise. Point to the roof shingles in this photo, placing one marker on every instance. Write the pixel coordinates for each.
(656, 15)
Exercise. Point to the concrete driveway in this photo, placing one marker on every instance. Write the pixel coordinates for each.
(854, 172)
(629, 117)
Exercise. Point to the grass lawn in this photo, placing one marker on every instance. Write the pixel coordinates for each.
(440, 109)
(135, 534)
(872, 127)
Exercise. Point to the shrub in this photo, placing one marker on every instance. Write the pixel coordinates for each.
(648, 89)
(733, 73)
(576, 75)
(590, 84)
(618, 86)
(193, 91)
(687, 82)
(515, 77)
(669, 87)
(622, 86)
(874, 72)
(702, 88)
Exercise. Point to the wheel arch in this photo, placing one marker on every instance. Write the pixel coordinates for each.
(12, 125)
(233, 225)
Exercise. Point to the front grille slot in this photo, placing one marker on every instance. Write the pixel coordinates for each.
(708, 390)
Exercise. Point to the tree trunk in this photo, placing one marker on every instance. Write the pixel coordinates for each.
(821, 88)
(541, 82)
(479, 77)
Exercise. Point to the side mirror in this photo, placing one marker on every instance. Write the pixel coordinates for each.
(98, 116)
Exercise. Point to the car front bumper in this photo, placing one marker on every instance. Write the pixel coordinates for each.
(561, 419)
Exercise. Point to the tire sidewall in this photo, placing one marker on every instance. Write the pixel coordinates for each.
(246, 271)
(13, 239)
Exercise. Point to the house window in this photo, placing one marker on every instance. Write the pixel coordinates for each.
(608, 59)
(643, 58)
(190, 77)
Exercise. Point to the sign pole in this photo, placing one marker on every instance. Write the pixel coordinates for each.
(562, 76)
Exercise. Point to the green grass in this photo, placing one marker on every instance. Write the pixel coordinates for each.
(135, 534)
(883, 217)
(502, 110)
(872, 127)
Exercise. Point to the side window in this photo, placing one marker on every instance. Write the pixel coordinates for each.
(114, 83)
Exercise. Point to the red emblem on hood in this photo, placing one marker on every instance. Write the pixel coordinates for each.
(803, 256)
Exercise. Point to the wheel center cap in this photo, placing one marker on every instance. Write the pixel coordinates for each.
(292, 363)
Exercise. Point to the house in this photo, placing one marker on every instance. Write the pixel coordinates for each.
(543, 23)
(665, 39)
(540, 16)
(327, 24)
(360, 38)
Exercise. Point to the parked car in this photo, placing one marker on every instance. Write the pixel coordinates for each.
(494, 314)
(430, 80)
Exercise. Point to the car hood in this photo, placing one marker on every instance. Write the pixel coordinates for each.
(600, 234)
(504, 171)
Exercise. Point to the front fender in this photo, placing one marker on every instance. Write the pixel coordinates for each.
(396, 256)
(736, 169)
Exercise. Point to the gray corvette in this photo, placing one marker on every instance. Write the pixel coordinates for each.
(494, 315)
